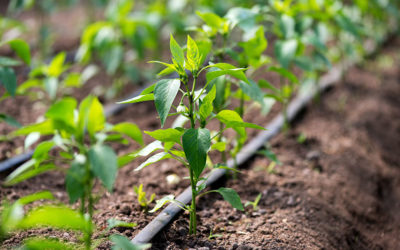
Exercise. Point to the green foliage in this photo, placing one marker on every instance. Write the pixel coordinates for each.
(112, 223)
(254, 203)
(141, 197)
(122, 243)
(81, 134)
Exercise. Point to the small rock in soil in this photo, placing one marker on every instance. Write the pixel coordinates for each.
(291, 201)
(182, 231)
(313, 155)
(126, 210)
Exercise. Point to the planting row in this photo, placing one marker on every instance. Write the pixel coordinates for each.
(221, 74)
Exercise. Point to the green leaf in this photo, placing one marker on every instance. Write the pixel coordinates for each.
(220, 146)
(233, 120)
(63, 110)
(252, 90)
(113, 59)
(254, 47)
(103, 162)
(192, 54)
(118, 223)
(285, 51)
(26, 171)
(176, 51)
(160, 203)
(44, 128)
(206, 107)
(214, 21)
(237, 124)
(122, 243)
(287, 26)
(196, 143)
(285, 73)
(8, 62)
(243, 17)
(270, 155)
(51, 86)
(42, 151)
(131, 130)
(232, 197)
(56, 67)
(22, 49)
(204, 47)
(42, 195)
(139, 98)
(91, 116)
(226, 69)
(74, 181)
(144, 96)
(56, 217)
(47, 244)
(166, 135)
(148, 149)
(164, 94)
(8, 79)
(73, 80)
(10, 120)
(153, 159)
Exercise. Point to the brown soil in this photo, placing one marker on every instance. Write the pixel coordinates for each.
(338, 189)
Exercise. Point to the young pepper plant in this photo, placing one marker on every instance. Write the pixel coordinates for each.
(80, 137)
(189, 146)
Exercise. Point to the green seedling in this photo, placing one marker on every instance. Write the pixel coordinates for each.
(301, 138)
(113, 223)
(141, 197)
(214, 236)
(254, 203)
(190, 146)
(80, 137)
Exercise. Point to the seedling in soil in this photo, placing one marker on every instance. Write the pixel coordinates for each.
(80, 137)
(254, 203)
(190, 146)
(214, 236)
(302, 138)
(141, 197)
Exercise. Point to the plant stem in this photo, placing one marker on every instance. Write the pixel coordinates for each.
(286, 125)
(221, 129)
(193, 182)
(193, 219)
(241, 108)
